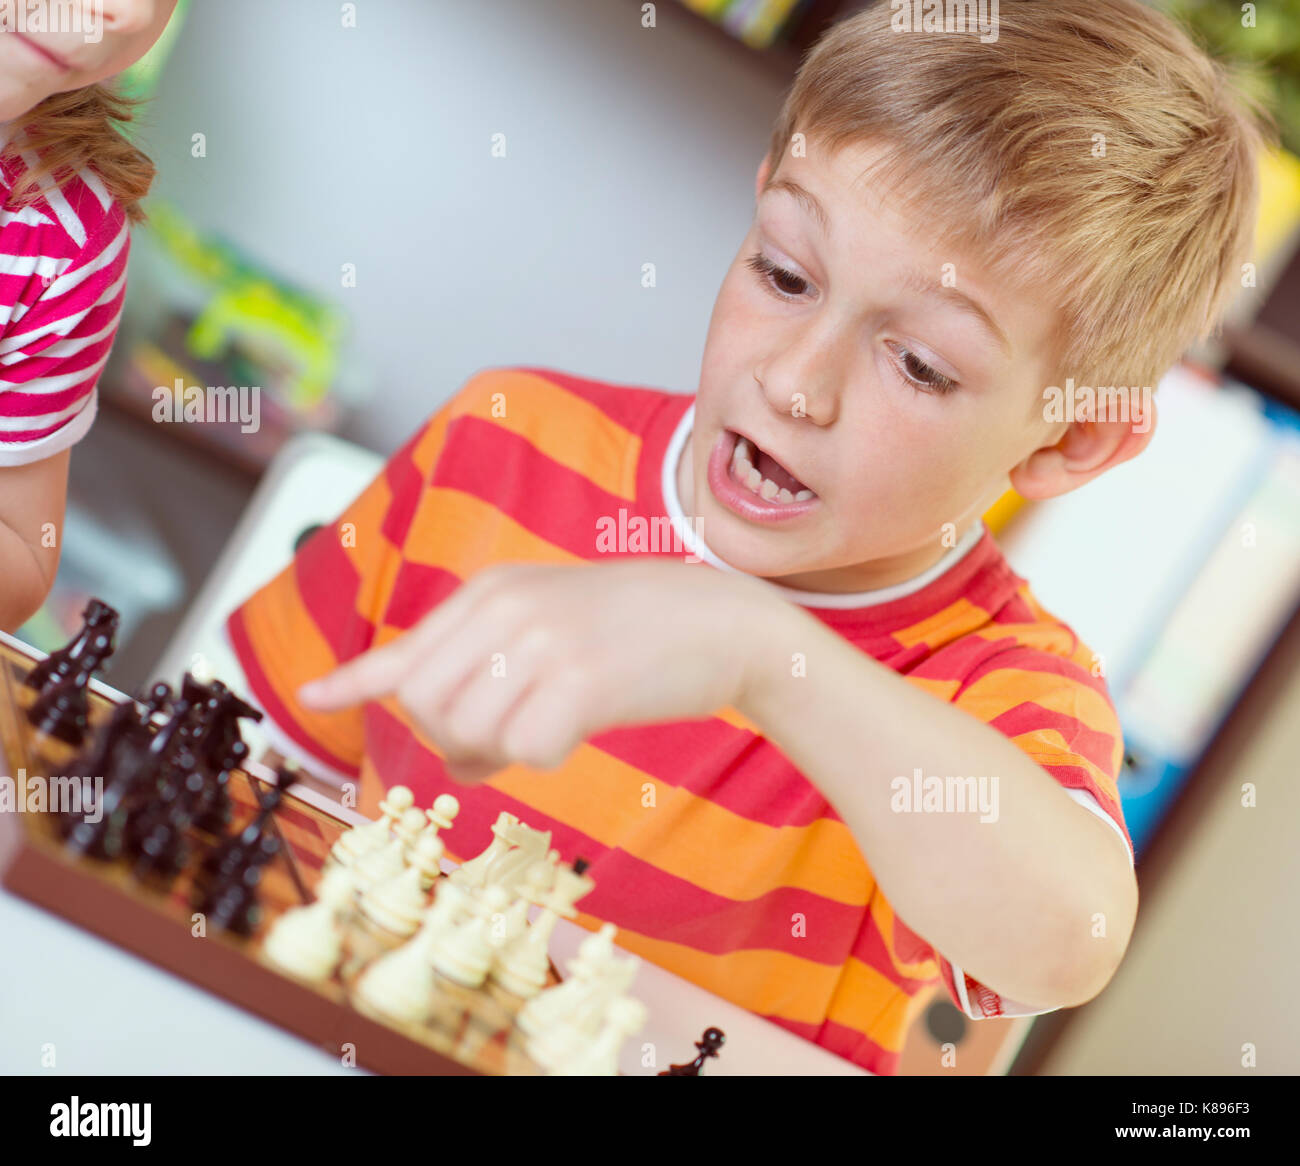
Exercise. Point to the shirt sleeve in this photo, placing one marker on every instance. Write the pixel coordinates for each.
(1061, 715)
(328, 604)
(60, 315)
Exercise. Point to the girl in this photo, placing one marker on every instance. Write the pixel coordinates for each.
(70, 185)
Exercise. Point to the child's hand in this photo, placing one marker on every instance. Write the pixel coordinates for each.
(524, 661)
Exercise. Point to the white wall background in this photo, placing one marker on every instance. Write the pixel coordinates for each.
(371, 146)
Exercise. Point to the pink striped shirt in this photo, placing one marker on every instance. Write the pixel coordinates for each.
(62, 282)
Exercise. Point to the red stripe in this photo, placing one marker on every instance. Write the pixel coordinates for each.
(844, 1042)
(664, 906)
(327, 584)
(264, 695)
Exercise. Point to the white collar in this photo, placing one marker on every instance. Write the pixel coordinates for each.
(832, 599)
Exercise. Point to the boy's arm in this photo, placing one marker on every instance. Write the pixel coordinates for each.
(1016, 902)
(32, 500)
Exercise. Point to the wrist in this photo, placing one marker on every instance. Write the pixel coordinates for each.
(771, 637)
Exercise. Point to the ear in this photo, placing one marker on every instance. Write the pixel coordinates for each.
(1087, 450)
(764, 168)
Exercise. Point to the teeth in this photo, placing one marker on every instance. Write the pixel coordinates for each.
(743, 470)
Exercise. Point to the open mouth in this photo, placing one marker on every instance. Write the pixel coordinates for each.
(761, 474)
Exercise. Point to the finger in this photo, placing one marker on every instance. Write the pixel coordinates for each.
(380, 671)
(367, 677)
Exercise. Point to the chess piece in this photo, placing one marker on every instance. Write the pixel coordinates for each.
(62, 711)
(471, 874)
(464, 953)
(256, 844)
(523, 965)
(708, 1046)
(401, 984)
(231, 904)
(308, 941)
(599, 1058)
(584, 971)
(361, 840)
(576, 1022)
(97, 639)
(398, 903)
(442, 813)
(390, 859)
(528, 846)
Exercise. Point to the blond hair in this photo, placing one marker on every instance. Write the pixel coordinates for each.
(79, 130)
(1091, 149)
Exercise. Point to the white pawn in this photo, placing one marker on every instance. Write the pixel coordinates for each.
(401, 983)
(523, 965)
(308, 941)
(380, 865)
(584, 969)
(471, 874)
(465, 953)
(362, 840)
(441, 814)
(398, 903)
(599, 1058)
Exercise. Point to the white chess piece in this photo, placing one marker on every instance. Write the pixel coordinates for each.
(508, 869)
(470, 874)
(401, 983)
(398, 903)
(599, 1058)
(361, 840)
(308, 941)
(584, 970)
(380, 865)
(565, 1033)
(522, 966)
(538, 880)
(464, 954)
(442, 813)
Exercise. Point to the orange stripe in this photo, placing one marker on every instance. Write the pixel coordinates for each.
(871, 1003)
(563, 427)
(683, 834)
(957, 618)
(771, 982)
(290, 651)
(460, 533)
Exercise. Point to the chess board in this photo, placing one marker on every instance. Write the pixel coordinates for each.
(473, 1033)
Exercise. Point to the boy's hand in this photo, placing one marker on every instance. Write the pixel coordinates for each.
(524, 661)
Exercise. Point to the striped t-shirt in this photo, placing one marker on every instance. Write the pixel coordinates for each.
(522, 464)
(62, 282)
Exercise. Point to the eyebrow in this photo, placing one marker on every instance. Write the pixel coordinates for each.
(913, 281)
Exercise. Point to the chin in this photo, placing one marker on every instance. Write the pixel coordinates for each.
(767, 554)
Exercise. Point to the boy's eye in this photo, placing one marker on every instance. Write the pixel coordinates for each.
(920, 374)
(785, 283)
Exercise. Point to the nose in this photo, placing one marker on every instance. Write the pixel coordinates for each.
(126, 16)
(801, 374)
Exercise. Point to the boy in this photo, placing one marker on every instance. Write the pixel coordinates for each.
(750, 749)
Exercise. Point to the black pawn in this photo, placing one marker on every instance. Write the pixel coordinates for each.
(708, 1045)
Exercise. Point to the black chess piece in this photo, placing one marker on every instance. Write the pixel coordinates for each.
(708, 1046)
(97, 636)
(62, 710)
(231, 904)
(256, 844)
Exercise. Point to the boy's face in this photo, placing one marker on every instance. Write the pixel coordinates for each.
(902, 403)
(73, 45)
